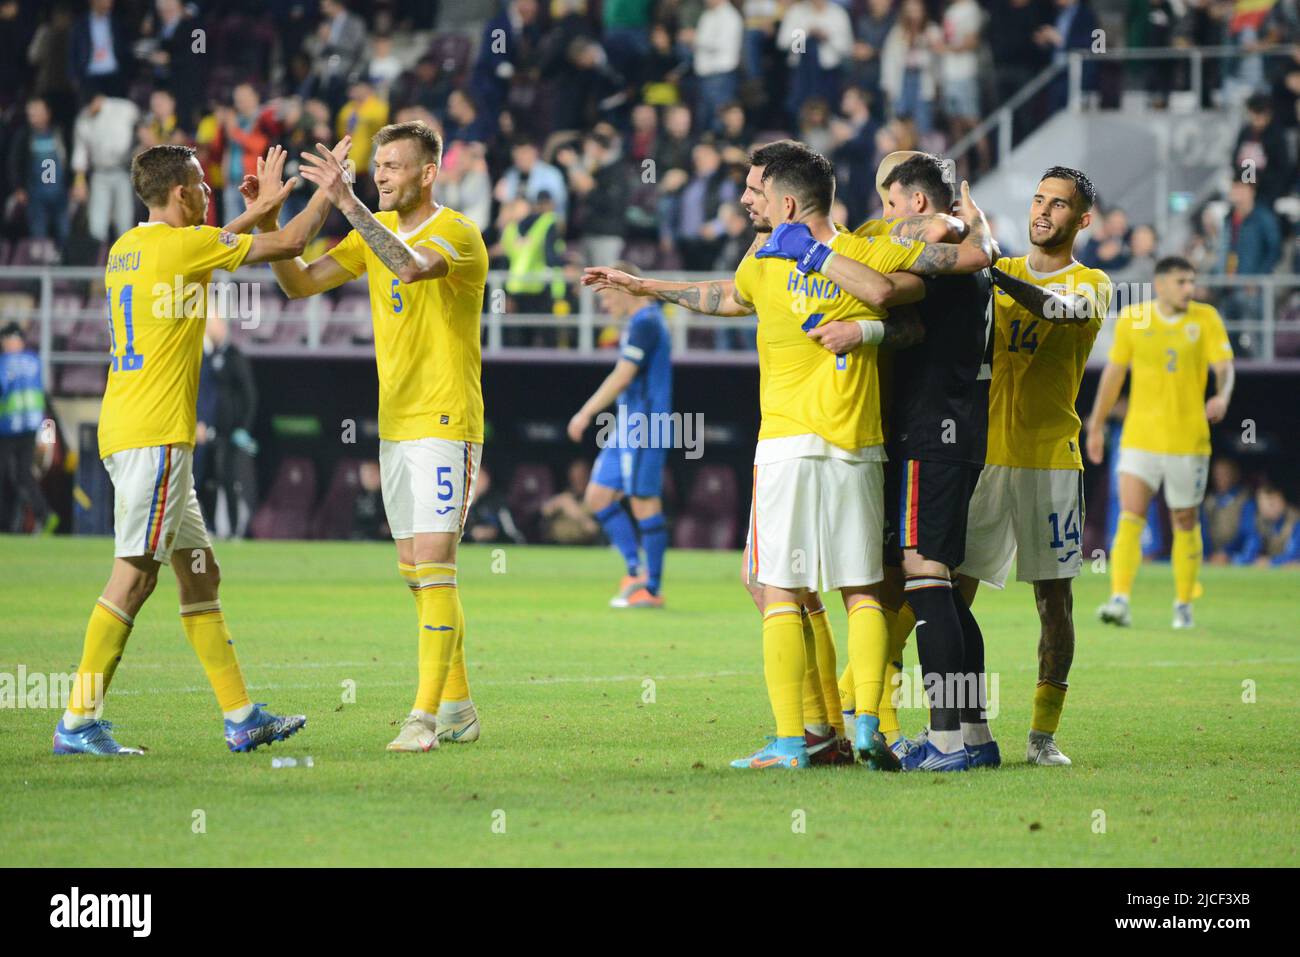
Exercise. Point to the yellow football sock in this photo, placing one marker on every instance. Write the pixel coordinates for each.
(846, 688)
(783, 666)
(205, 628)
(1049, 699)
(814, 705)
(868, 652)
(1126, 553)
(826, 664)
(900, 624)
(1186, 558)
(106, 636)
(439, 626)
(457, 686)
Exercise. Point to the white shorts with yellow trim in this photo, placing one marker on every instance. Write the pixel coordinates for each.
(428, 484)
(155, 509)
(1183, 476)
(816, 523)
(1034, 516)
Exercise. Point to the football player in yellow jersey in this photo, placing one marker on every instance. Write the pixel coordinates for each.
(426, 266)
(1029, 499)
(1172, 344)
(157, 283)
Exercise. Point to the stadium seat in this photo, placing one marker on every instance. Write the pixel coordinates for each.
(530, 486)
(35, 252)
(286, 512)
(709, 519)
(333, 518)
(82, 378)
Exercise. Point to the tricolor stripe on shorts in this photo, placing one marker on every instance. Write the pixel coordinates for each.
(469, 484)
(753, 530)
(158, 507)
(911, 504)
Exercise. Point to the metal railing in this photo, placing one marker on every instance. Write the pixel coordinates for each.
(1260, 312)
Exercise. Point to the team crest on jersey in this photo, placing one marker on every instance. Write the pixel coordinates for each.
(1193, 331)
(227, 238)
(901, 240)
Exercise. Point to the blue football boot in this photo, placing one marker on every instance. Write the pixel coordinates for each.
(261, 727)
(984, 755)
(790, 754)
(929, 758)
(871, 745)
(91, 738)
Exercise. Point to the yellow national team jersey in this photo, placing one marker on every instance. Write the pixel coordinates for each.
(803, 388)
(1171, 360)
(157, 283)
(874, 227)
(1037, 369)
(427, 333)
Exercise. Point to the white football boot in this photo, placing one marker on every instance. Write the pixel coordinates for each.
(416, 734)
(1183, 615)
(1115, 612)
(1043, 750)
(458, 725)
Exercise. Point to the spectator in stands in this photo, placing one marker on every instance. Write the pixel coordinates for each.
(507, 50)
(304, 124)
(383, 67)
(38, 173)
(464, 183)
(1272, 527)
(362, 116)
(872, 29)
(1155, 24)
(853, 139)
(489, 518)
(1143, 252)
(464, 122)
(818, 36)
(645, 134)
(584, 84)
(229, 437)
(737, 237)
(761, 19)
(1108, 248)
(691, 217)
(719, 39)
(673, 146)
(963, 22)
(340, 52)
(162, 121)
(100, 52)
(103, 141)
(815, 125)
(241, 139)
(1282, 25)
(601, 188)
(530, 241)
(48, 54)
(174, 62)
(1261, 153)
(909, 65)
(369, 520)
(565, 520)
(1224, 529)
(1252, 239)
(1016, 53)
(22, 410)
(627, 32)
(529, 176)
(734, 137)
(1072, 30)
(661, 69)
(425, 86)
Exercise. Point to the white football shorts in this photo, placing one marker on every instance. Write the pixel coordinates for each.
(1034, 516)
(155, 508)
(428, 484)
(1183, 476)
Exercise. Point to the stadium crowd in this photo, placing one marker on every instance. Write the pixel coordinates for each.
(585, 130)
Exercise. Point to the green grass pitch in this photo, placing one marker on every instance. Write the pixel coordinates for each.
(575, 768)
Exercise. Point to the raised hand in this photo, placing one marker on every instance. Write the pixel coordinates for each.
(605, 277)
(329, 173)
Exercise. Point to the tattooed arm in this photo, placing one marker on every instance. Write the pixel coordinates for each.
(930, 228)
(976, 251)
(1071, 308)
(716, 298)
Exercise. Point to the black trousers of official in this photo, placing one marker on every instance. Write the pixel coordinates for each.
(18, 487)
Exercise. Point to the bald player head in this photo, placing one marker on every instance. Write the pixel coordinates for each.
(887, 166)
